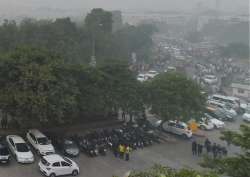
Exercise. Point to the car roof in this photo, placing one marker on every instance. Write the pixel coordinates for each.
(16, 138)
(37, 133)
(53, 158)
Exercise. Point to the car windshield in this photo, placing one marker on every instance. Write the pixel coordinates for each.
(43, 141)
(22, 147)
(45, 162)
(4, 151)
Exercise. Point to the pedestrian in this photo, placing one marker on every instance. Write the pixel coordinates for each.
(200, 147)
(219, 150)
(224, 151)
(207, 145)
(121, 150)
(214, 150)
(115, 149)
(127, 153)
(4, 123)
(194, 147)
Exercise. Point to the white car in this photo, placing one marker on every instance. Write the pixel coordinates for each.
(151, 74)
(55, 165)
(141, 77)
(19, 149)
(178, 128)
(246, 116)
(205, 124)
(217, 123)
(210, 79)
(40, 142)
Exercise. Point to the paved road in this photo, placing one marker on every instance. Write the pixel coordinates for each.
(175, 153)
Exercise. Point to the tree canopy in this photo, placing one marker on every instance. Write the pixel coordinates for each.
(73, 42)
(173, 96)
(36, 86)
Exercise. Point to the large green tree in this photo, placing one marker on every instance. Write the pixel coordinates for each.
(109, 87)
(174, 96)
(239, 164)
(36, 87)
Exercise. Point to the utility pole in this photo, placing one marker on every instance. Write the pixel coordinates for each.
(93, 57)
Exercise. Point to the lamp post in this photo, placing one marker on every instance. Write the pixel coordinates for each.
(93, 57)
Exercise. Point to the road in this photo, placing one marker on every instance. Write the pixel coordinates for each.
(175, 153)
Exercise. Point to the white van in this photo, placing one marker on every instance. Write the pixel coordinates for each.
(232, 101)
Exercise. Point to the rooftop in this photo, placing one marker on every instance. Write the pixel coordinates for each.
(241, 86)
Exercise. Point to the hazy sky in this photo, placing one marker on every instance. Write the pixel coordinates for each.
(122, 4)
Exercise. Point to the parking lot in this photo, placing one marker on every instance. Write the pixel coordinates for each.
(174, 152)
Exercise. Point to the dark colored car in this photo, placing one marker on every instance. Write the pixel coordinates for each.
(4, 153)
(67, 146)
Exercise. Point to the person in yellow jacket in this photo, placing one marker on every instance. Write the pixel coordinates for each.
(122, 149)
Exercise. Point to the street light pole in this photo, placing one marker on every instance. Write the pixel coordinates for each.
(93, 57)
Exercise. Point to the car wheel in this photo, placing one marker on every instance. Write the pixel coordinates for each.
(75, 173)
(52, 175)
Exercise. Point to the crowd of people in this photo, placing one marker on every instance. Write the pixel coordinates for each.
(122, 151)
(211, 148)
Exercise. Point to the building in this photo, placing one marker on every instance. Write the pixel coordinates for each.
(241, 90)
(117, 20)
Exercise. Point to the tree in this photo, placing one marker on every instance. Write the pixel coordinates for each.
(36, 87)
(239, 164)
(99, 20)
(107, 88)
(160, 171)
(173, 96)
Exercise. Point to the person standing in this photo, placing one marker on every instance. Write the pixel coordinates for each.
(214, 150)
(4, 123)
(121, 150)
(194, 147)
(115, 149)
(207, 145)
(200, 147)
(127, 153)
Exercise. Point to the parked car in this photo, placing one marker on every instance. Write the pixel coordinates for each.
(210, 79)
(142, 77)
(219, 114)
(205, 124)
(55, 165)
(217, 123)
(67, 146)
(233, 102)
(20, 149)
(246, 116)
(40, 142)
(178, 128)
(4, 152)
(151, 74)
(224, 107)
